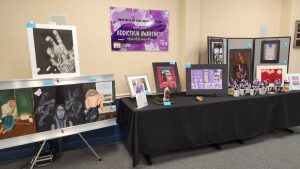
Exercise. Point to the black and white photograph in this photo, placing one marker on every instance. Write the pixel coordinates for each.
(44, 102)
(74, 103)
(53, 51)
(216, 51)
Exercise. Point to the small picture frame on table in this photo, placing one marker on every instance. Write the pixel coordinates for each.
(133, 80)
(166, 74)
(271, 73)
(294, 80)
(270, 51)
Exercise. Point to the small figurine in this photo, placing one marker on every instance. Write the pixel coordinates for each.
(278, 87)
(166, 94)
(286, 86)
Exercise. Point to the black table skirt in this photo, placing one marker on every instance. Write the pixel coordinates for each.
(189, 123)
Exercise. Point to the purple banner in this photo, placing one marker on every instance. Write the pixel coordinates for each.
(139, 29)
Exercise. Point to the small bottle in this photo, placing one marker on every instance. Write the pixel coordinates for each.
(286, 86)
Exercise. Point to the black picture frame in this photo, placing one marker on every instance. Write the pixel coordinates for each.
(172, 79)
(297, 34)
(273, 51)
(240, 64)
(216, 52)
(203, 68)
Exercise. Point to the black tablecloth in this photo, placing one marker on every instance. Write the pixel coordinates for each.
(189, 123)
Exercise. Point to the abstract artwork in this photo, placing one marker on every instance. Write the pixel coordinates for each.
(240, 66)
(270, 51)
(139, 29)
(17, 114)
(166, 74)
(53, 51)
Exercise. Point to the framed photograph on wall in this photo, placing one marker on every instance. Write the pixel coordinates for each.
(133, 80)
(216, 54)
(240, 65)
(271, 73)
(297, 34)
(270, 51)
(166, 74)
(294, 80)
(53, 51)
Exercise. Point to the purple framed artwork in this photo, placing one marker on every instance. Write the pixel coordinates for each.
(270, 51)
(139, 29)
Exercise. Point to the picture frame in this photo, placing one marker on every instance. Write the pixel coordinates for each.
(240, 64)
(166, 74)
(297, 34)
(133, 80)
(216, 51)
(207, 79)
(270, 50)
(271, 73)
(294, 80)
(53, 51)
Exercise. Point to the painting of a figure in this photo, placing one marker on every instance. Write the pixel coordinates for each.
(270, 51)
(240, 64)
(17, 115)
(74, 103)
(44, 102)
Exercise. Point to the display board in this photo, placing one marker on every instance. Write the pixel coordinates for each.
(36, 110)
(271, 51)
(240, 58)
(217, 50)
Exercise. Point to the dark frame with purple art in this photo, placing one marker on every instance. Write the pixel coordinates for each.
(218, 90)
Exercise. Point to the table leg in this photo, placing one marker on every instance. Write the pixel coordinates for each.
(148, 159)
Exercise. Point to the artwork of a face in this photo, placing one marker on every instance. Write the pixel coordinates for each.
(240, 64)
(17, 115)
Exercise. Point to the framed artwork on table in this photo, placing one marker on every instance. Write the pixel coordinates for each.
(294, 80)
(270, 51)
(53, 51)
(166, 74)
(133, 80)
(240, 65)
(271, 73)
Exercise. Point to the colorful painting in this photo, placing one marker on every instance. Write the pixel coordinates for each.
(53, 51)
(206, 79)
(139, 29)
(17, 114)
(271, 73)
(240, 64)
(166, 74)
(270, 51)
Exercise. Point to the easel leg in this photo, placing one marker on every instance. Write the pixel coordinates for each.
(38, 154)
(97, 156)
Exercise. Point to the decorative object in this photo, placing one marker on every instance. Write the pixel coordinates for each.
(270, 51)
(240, 65)
(166, 74)
(297, 34)
(53, 51)
(294, 81)
(166, 94)
(286, 86)
(133, 80)
(271, 73)
(139, 29)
